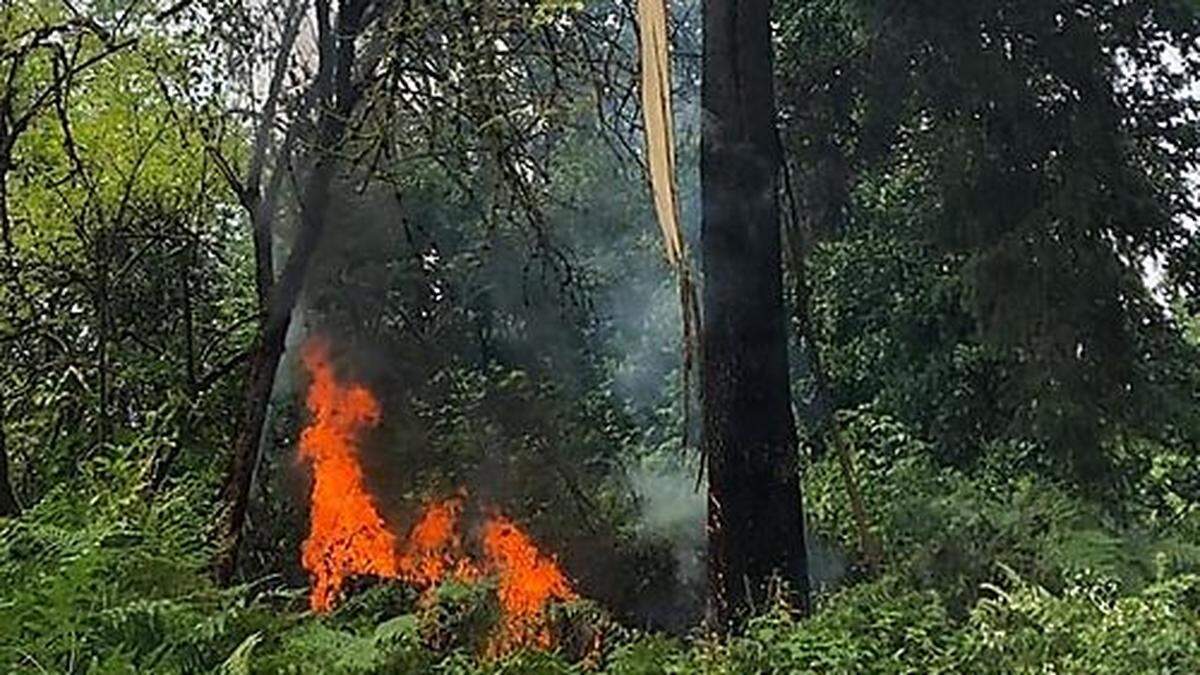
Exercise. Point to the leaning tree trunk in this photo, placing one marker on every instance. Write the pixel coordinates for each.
(755, 519)
(336, 95)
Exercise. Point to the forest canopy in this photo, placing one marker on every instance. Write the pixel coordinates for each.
(402, 337)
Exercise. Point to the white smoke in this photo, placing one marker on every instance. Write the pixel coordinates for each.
(673, 509)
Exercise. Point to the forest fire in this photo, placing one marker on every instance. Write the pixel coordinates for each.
(434, 548)
(528, 581)
(348, 537)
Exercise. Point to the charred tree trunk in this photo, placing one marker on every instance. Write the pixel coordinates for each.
(755, 518)
(336, 96)
(8, 501)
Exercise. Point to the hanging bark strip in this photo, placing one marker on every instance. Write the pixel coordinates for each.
(660, 162)
(656, 113)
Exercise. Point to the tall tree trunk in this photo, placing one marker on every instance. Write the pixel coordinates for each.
(336, 96)
(8, 139)
(755, 516)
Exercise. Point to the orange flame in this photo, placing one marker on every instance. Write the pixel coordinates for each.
(434, 547)
(346, 536)
(528, 581)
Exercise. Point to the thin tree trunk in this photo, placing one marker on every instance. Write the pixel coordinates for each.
(336, 96)
(869, 545)
(8, 500)
(5, 232)
(824, 429)
(160, 467)
(189, 333)
(260, 204)
(820, 413)
(103, 377)
(829, 200)
(7, 141)
(755, 515)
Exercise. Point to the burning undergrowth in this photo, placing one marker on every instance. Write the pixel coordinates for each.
(348, 537)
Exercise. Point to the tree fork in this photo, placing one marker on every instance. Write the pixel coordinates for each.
(336, 97)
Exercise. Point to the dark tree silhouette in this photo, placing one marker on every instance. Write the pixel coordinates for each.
(755, 518)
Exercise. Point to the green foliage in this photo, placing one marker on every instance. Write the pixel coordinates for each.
(391, 646)
(986, 573)
(1087, 628)
(873, 627)
(981, 184)
(887, 627)
(1004, 169)
(96, 578)
(950, 530)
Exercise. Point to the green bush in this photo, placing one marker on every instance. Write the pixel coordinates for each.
(100, 579)
(1088, 628)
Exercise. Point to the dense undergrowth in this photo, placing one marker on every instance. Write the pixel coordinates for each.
(983, 572)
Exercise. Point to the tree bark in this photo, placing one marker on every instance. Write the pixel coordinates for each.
(755, 515)
(336, 97)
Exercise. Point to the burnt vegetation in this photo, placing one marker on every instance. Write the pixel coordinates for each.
(623, 336)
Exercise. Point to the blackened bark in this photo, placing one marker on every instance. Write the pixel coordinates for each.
(336, 95)
(8, 501)
(755, 517)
